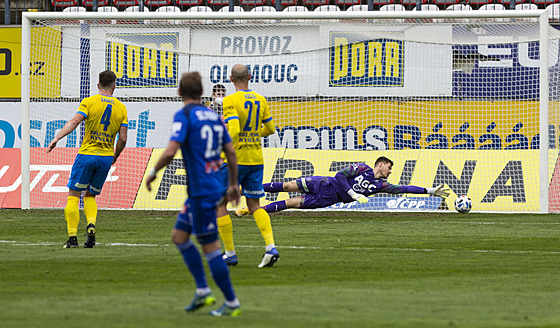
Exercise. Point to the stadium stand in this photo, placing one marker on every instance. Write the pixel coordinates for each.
(358, 8)
(107, 9)
(553, 10)
(327, 8)
(19, 6)
(186, 4)
(90, 3)
(427, 6)
(475, 4)
(459, 6)
(135, 9)
(64, 3)
(526, 6)
(74, 9)
(444, 4)
(235, 9)
(296, 8)
(198, 9)
(544, 3)
(345, 4)
(263, 8)
(284, 3)
(312, 4)
(392, 7)
(157, 3)
(492, 6)
(251, 3)
(378, 3)
(165, 9)
(121, 4)
(409, 4)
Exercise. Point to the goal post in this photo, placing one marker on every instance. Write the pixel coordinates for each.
(455, 97)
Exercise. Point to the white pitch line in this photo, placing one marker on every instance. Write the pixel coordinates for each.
(15, 243)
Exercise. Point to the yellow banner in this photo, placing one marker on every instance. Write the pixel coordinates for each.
(503, 180)
(387, 125)
(44, 66)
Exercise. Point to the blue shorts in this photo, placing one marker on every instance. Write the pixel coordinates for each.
(198, 217)
(250, 179)
(89, 172)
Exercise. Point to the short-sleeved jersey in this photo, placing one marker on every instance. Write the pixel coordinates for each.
(104, 117)
(251, 109)
(361, 178)
(202, 133)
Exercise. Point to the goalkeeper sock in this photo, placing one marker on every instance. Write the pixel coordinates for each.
(220, 273)
(275, 207)
(263, 222)
(72, 215)
(225, 228)
(90, 210)
(192, 259)
(273, 187)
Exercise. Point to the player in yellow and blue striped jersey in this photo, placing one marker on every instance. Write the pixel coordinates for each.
(248, 119)
(104, 117)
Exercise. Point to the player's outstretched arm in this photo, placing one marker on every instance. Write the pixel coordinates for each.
(121, 143)
(70, 126)
(162, 162)
(438, 191)
(357, 197)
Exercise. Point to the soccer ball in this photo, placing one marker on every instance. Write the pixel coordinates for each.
(463, 204)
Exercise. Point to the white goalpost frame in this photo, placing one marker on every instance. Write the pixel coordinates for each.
(541, 15)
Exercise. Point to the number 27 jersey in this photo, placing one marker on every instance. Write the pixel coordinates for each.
(202, 134)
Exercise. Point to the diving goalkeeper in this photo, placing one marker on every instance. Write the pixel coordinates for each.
(353, 183)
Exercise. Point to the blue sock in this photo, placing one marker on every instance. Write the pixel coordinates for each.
(192, 259)
(273, 187)
(275, 207)
(220, 273)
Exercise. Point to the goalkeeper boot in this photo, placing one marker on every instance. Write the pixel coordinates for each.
(225, 310)
(241, 212)
(90, 236)
(270, 258)
(230, 260)
(200, 301)
(71, 243)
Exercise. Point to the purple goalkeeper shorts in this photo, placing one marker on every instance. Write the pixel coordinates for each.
(317, 192)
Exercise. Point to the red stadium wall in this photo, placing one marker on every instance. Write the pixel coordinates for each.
(50, 175)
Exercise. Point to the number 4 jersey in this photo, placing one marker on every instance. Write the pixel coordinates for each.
(104, 117)
(251, 109)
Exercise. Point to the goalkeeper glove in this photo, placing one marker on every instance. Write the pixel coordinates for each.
(357, 197)
(438, 191)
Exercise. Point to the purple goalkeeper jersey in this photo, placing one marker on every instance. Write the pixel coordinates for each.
(325, 191)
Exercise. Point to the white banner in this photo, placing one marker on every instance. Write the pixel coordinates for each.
(149, 124)
(288, 60)
(138, 56)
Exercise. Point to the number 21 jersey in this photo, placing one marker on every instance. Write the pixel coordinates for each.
(251, 109)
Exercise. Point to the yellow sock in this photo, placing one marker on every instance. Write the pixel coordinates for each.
(226, 232)
(72, 215)
(90, 209)
(263, 222)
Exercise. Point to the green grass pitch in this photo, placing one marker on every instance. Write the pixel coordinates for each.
(336, 269)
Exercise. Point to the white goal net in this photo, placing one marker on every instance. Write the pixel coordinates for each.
(455, 98)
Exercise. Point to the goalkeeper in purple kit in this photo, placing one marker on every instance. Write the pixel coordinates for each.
(353, 183)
